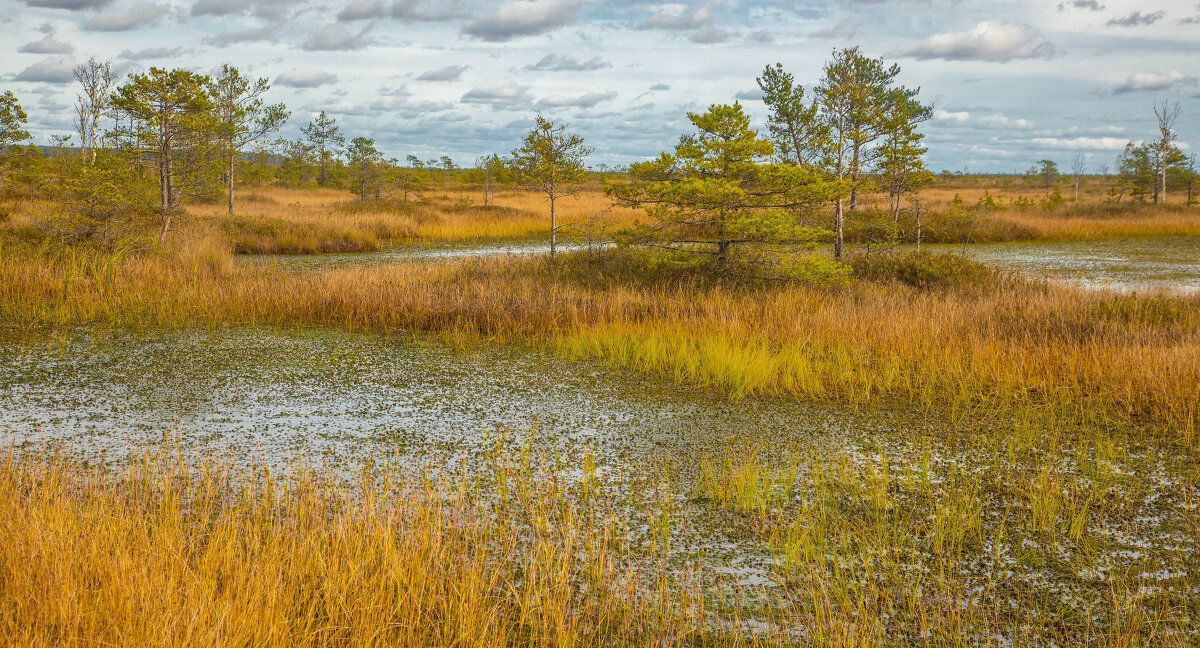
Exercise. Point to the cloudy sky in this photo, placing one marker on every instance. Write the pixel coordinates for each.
(1011, 81)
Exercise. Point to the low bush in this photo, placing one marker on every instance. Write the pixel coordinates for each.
(260, 235)
(923, 269)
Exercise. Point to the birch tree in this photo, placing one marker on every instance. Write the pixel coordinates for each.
(96, 81)
(551, 159)
(1166, 154)
(1078, 168)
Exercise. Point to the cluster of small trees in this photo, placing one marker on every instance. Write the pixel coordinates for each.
(144, 144)
(1152, 168)
(155, 138)
(726, 187)
(1145, 169)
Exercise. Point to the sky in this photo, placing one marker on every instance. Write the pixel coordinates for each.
(1011, 82)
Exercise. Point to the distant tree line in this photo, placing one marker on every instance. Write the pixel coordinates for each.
(151, 141)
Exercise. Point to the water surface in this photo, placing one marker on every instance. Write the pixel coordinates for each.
(1127, 265)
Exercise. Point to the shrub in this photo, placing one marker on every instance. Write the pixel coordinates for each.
(923, 269)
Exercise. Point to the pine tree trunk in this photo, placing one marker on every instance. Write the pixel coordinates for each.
(229, 179)
(553, 228)
(166, 173)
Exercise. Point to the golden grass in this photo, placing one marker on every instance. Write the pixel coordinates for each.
(445, 216)
(166, 552)
(1101, 359)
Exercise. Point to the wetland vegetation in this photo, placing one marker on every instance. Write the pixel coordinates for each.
(364, 408)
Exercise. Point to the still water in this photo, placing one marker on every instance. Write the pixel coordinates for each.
(1166, 264)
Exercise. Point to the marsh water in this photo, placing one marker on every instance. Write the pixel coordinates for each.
(272, 395)
(1163, 264)
(343, 399)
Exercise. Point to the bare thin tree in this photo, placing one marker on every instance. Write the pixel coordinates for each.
(1166, 115)
(96, 81)
(1078, 168)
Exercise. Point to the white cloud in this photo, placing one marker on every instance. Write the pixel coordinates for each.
(128, 20)
(516, 18)
(47, 45)
(587, 100)
(294, 78)
(967, 119)
(56, 69)
(1081, 143)
(987, 41)
(553, 62)
(675, 18)
(448, 73)
(1155, 82)
(362, 10)
(498, 94)
(336, 37)
(268, 34)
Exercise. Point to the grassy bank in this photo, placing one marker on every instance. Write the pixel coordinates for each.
(979, 351)
(272, 220)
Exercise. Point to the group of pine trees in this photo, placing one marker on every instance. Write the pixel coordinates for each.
(167, 134)
(149, 141)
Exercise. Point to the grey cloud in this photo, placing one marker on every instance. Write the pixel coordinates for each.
(659, 86)
(336, 37)
(761, 36)
(411, 11)
(587, 100)
(294, 78)
(151, 53)
(263, 8)
(847, 28)
(448, 73)
(264, 34)
(498, 94)
(709, 36)
(1155, 82)
(400, 102)
(517, 18)
(362, 10)
(56, 69)
(679, 20)
(70, 5)
(566, 63)
(139, 16)
(1090, 5)
(47, 45)
(750, 95)
(988, 41)
(1137, 19)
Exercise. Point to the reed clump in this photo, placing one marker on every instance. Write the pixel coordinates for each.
(167, 553)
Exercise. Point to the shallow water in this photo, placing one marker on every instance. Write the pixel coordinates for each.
(1169, 264)
(271, 394)
(1166, 264)
(395, 253)
(345, 399)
